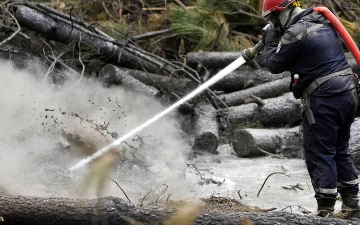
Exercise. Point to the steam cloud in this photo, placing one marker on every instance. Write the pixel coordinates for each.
(34, 158)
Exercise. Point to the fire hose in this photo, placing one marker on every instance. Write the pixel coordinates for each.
(342, 31)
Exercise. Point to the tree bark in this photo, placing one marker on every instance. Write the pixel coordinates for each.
(64, 30)
(267, 90)
(212, 59)
(277, 112)
(354, 142)
(245, 78)
(113, 75)
(167, 83)
(253, 142)
(26, 210)
(206, 129)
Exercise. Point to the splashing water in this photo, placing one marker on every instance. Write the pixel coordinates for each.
(231, 67)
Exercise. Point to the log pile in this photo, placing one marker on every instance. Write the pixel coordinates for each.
(246, 98)
(250, 108)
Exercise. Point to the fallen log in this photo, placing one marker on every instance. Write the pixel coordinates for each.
(354, 142)
(167, 83)
(241, 79)
(211, 59)
(256, 142)
(63, 28)
(26, 210)
(206, 129)
(113, 75)
(276, 112)
(266, 90)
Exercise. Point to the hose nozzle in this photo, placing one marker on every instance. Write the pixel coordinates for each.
(250, 53)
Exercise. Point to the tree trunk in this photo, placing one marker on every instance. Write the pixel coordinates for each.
(276, 112)
(206, 129)
(255, 142)
(65, 30)
(242, 79)
(212, 59)
(266, 90)
(179, 85)
(113, 75)
(24, 210)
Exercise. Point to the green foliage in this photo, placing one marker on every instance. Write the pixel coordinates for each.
(198, 26)
(202, 27)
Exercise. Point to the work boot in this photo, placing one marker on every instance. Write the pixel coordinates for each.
(325, 206)
(351, 205)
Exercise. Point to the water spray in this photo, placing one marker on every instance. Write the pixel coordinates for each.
(246, 56)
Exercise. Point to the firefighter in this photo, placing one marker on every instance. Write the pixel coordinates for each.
(305, 43)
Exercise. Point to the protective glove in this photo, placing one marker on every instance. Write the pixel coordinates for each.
(270, 36)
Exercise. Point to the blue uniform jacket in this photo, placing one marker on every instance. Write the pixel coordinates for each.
(313, 54)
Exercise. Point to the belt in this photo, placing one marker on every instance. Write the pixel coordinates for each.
(316, 83)
(313, 86)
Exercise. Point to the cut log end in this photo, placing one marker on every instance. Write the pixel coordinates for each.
(207, 141)
(244, 144)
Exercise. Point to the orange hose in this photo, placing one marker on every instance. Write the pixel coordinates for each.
(342, 31)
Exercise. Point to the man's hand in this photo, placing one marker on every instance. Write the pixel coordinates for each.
(270, 35)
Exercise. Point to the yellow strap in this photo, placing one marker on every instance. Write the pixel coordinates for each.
(296, 3)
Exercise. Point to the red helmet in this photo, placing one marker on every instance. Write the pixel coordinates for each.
(270, 6)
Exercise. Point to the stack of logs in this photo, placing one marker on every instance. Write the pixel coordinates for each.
(249, 108)
(253, 109)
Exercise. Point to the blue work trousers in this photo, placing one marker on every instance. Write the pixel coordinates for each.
(326, 144)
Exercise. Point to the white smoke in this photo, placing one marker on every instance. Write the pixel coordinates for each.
(32, 156)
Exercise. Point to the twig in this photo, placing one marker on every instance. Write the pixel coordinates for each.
(303, 210)
(196, 170)
(180, 4)
(167, 199)
(13, 34)
(82, 71)
(161, 193)
(214, 45)
(154, 9)
(287, 207)
(268, 153)
(150, 34)
(258, 100)
(115, 183)
(51, 68)
(120, 188)
(238, 192)
(267, 179)
(141, 201)
(107, 12)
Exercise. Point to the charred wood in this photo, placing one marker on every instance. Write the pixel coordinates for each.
(279, 111)
(212, 59)
(256, 142)
(206, 128)
(64, 30)
(27, 210)
(166, 83)
(263, 91)
(242, 79)
(112, 75)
